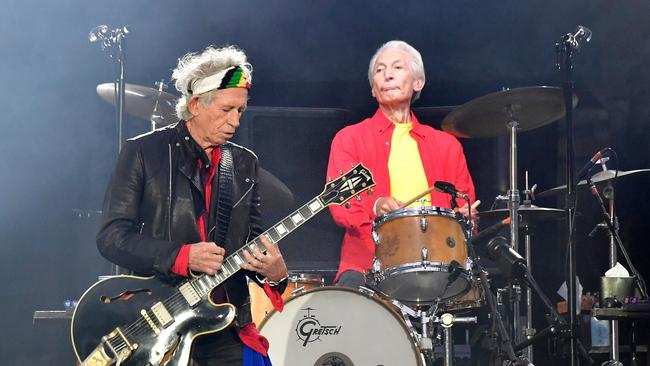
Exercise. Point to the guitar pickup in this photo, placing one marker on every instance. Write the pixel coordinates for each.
(190, 295)
(160, 312)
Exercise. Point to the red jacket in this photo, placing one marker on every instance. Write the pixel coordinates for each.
(368, 142)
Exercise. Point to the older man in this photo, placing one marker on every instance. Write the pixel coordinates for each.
(406, 157)
(183, 197)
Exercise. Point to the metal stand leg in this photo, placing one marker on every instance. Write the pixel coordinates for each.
(614, 354)
(447, 321)
(513, 207)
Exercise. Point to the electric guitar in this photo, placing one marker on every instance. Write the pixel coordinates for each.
(129, 320)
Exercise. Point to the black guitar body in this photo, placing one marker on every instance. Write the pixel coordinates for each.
(118, 302)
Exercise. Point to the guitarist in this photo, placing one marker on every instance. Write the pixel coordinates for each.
(182, 197)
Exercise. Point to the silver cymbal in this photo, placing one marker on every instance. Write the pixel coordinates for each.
(488, 116)
(143, 102)
(599, 177)
(534, 213)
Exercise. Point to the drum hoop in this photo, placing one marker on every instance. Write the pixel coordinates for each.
(300, 277)
(415, 267)
(416, 211)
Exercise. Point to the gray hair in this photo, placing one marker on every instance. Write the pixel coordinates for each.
(194, 66)
(415, 61)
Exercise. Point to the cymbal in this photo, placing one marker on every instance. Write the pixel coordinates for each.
(143, 102)
(599, 177)
(274, 194)
(489, 115)
(533, 212)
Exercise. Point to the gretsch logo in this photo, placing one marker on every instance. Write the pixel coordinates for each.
(310, 330)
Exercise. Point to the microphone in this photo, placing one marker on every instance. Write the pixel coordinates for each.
(508, 261)
(582, 32)
(97, 33)
(454, 270)
(490, 231)
(446, 187)
(582, 174)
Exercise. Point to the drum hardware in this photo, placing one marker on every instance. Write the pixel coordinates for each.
(447, 320)
(508, 111)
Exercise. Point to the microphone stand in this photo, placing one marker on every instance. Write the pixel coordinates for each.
(564, 50)
(113, 40)
(640, 282)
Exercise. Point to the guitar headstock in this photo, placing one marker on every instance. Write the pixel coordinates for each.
(350, 184)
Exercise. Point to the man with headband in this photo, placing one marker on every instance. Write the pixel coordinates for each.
(183, 197)
(405, 157)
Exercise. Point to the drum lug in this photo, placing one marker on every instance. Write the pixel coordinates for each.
(425, 255)
(375, 236)
(423, 224)
(297, 292)
(366, 291)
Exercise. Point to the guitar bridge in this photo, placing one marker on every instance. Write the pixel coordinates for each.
(99, 356)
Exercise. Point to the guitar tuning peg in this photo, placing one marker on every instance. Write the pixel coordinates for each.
(358, 198)
(347, 205)
(370, 192)
(329, 179)
(340, 172)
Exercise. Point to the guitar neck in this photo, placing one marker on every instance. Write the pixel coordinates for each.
(205, 283)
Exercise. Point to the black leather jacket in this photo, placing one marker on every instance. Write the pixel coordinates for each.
(155, 195)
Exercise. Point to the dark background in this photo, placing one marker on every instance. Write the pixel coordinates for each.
(59, 139)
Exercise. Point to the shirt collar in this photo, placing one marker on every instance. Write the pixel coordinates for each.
(383, 124)
(190, 145)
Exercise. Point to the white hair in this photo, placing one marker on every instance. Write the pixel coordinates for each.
(415, 61)
(194, 66)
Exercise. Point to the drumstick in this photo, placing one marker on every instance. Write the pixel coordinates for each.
(417, 197)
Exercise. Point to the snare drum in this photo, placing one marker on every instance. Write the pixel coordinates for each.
(297, 282)
(338, 326)
(415, 249)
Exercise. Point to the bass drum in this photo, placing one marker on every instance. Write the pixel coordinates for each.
(338, 326)
(261, 305)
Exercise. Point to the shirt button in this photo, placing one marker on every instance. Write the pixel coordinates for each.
(187, 138)
(178, 144)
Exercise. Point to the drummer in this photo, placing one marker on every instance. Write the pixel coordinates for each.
(405, 157)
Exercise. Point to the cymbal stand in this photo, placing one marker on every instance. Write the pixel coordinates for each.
(513, 208)
(155, 113)
(113, 41)
(526, 225)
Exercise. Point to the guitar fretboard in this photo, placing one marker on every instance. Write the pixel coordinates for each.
(205, 283)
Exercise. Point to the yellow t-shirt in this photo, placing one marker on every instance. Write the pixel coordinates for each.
(407, 177)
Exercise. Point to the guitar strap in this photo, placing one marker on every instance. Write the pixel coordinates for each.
(221, 207)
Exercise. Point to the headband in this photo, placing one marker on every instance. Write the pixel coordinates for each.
(233, 77)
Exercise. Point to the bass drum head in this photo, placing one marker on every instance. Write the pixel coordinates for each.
(338, 326)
